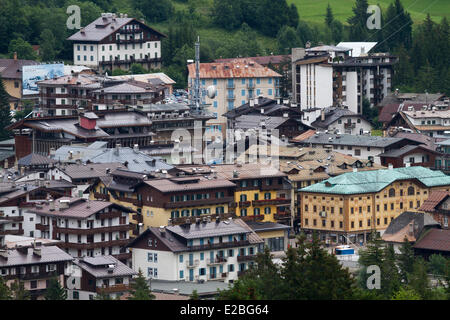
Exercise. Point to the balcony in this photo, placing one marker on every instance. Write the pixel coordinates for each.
(222, 216)
(128, 31)
(273, 202)
(250, 257)
(124, 227)
(136, 202)
(230, 85)
(13, 219)
(282, 216)
(94, 245)
(231, 97)
(138, 218)
(122, 256)
(250, 85)
(217, 276)
(101, 196)
(245, 204)
(108, 215)
(252, 218)
(192, 263)
(349, 125)
(16, 232)
(113, 289)
(216, 260)
(42, 227)
(195, 203)
(221, 245)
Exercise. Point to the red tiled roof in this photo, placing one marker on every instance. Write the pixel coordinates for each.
(435, 239)
(436, 197)
(390, 109)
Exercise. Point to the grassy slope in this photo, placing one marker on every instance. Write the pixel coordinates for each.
(314, 10)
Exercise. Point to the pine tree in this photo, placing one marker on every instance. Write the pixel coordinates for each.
(102, 295)
(406, 259)
(329, 16)
(18, 291)
(140, 289)
(418, 279)
(48, 45)
(5, 291)
(55, 291)
(194, 295)
(390, 277)
(5, 112)
(358, 22)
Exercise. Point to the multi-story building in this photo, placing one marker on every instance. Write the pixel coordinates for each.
(85, 227)
(360, 146)
(34, 266)
(202, 251)
(11, 72)
(329, 75)
(348, 207)
(438, 206)
(261, 192)
(236, 82)
(100, 275)
(112, 42)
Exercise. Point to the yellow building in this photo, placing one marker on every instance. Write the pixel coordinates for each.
(261, 193)
(350, 206)
(11, 72)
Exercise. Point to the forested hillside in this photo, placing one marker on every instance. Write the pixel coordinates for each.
(232, 28)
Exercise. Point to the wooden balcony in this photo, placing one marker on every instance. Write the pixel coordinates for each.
(123, 227)
(217, 276)
(42, 227)
(253, 218)
(222, 245)
(192, 263)
(196, 203)
(251, 257)
(94, 245)
(107, 215)
(101, 196)
(192, 219)
(273, 202)
(216, 260)
(122, 256)
(113, 289)
(136, 202)
(12, 219)
(244, 204)
(139, 218)
(16, 232)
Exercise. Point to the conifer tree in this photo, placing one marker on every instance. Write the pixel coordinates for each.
(18, 291)
(140, 289)
(329, 16)
(5, 112)
(55, 291)
(5, 291)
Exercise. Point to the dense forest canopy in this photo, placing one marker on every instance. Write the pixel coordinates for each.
(233, 28)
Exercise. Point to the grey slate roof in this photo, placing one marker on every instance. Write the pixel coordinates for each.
(91, 170)
(209, 229)
(267, 226)
(333, 114)
(401, 151)
(34, 159)
(420, 219)
(352, 140)
(98, 267)
(254, 121)
(49, 254)
(186, 287)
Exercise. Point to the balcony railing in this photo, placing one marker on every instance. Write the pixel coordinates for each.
(114, 288)
(194, 203)
(349, 125)
(124, 227)
(217, 276)
(183, 220)
(192, 263)
(93, 245)
(13, 219)
(138, 217)
(282, 216)
(250, 85)
(250, 257)
(230, 244)
(252, 218)
(245, 204)
(102, 196)
(270, 202)
(216, 260)
(16, 232)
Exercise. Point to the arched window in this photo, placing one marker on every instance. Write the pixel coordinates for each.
(391, 192)
(411, 191)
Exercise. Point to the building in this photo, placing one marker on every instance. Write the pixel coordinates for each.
(340, 120)
(329, 75)
(411, 155)
(111, 42)
(34, 266)
(438, 205)
(166, 81)
(202, 251)
(236, 82)
(275, 235)
(348, 207)
(86, 228)
(360, 146)
(11, 73)
(442, 161)
(435, 241)
(409, 225)
(261, 192)
(100, 275)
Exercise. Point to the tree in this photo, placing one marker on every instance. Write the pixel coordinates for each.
(155, 10)
(406, 294)
(119, 72)
(137, 68)
(406, 259)
(227, 14)
(287, 39)
(55, 291)
(390, 277)
(18, 291)
(329, 16)
(358, 22)
(397, 28)
(5, 291)
(418, 278)
(23, 49)
(5, 112)
(48, 45)
(102, 295)
(140, 289)
(194, 295)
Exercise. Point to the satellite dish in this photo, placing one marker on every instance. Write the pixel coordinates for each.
(211, 92)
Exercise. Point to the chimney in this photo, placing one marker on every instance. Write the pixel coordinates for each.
(322, 115)
(252, 103)
(408, 164)
(355, 169)
(390, 166)
(15, 56)
(51, 205)
(136, 148)
(116, 150)
(162, 230)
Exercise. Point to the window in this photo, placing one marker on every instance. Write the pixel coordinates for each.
(76, 295)
(150, 242)
(150, 257)
(267, 210)
(181, 258)
(391, 192)
(357, 152)
(181, 274)
(149, 272)
(411, 191)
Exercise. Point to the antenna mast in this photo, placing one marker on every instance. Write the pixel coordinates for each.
(197, 96)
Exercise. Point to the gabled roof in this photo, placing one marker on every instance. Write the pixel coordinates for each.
(395, 153)
(12, 69)
(377, 180)
(353, 140)
(102, 27)
(263, 60)
(34, 159)
(435, 198)
(434, 239)
(333, 114)
(98, 267)
(409, 225)
(49, 254)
